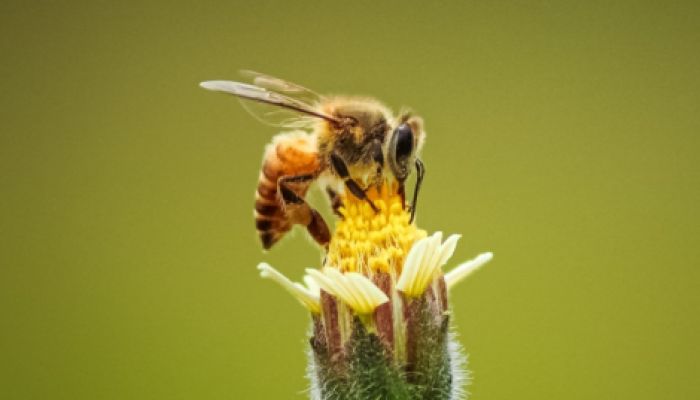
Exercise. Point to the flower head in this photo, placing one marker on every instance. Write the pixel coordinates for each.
(381, 295)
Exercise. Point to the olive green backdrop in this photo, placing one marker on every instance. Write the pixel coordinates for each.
(562, 136)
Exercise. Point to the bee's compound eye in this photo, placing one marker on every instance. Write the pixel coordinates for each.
(401, 151)
(404, 141)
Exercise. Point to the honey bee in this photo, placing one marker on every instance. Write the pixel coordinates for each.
(344, 143)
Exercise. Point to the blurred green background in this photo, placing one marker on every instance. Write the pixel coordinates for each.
(561, 136)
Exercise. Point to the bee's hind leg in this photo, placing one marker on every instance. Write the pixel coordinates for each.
(352, 185)
(299, 211)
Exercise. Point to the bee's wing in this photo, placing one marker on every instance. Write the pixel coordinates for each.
(282, 86)
(287, 111)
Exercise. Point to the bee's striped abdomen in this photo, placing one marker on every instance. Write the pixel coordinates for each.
(289, 154)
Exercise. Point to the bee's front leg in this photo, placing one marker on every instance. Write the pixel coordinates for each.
(402, 193)
(342, 170)
(420, 172)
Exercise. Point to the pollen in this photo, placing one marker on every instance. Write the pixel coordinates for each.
(368, 241)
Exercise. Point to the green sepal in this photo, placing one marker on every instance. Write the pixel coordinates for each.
(371, 372)
(429, 368)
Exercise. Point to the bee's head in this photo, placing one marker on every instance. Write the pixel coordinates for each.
(405, 141)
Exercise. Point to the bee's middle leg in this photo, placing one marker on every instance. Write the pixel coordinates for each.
(299, 211)
(352, 185)
(336, 202)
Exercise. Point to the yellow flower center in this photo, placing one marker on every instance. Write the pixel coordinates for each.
(368, 241)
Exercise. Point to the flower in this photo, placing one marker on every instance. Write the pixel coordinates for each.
(379, 306)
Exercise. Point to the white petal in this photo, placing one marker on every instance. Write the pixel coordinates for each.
(312, 285)
(362, 300)
(372, 295)
(323, 281)
(465, 269)
(429, 264)
(353, 289)
(302, 294)
(448, 248)
(347, 292)
(411, 264)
